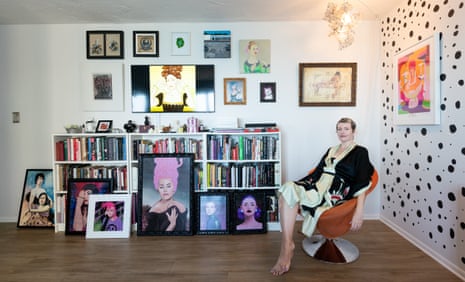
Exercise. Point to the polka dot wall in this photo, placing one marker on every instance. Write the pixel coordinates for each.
(423, 166)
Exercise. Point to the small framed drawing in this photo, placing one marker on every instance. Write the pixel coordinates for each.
(105, 44)
(235, 92)
(417, 83)
(109, 216)
(248, 213)
(145, 44)
(104, 126)
(327, 84)
(77, 206)
(165, 190)
(37, 204)
(267, 92)
(212, 213)
(180, 43)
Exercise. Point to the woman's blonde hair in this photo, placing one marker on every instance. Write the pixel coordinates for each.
(353, 125)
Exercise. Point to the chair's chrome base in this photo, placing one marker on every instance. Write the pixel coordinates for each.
(330, 250)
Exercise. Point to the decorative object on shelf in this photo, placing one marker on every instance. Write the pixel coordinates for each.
(212, 210)
(235, 91)
(255, 56)
(249, 213)
(77, 206)
(164, 190)
(417, 83)
(73, 128)
(104, 126)
(217, 44)
(130, 126)
(180, 43)
(90, 126)
(37, 201)
(327, 84)
(268, 92)
(105, 44)
(109, 216)
(145, 44)
(342, 21)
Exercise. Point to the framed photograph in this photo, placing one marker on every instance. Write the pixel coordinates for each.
(212, 213)
(165, 194)
(104, 126)
(145, 44)
(105, 44)
(248, 213)
(180, 43)
(102, 87)
(77, 206)
(327, 84)
(36, 208)
(268, 92)
(109, 216)
(255, 56)
(235, 92)
(417, 83)
(217, 44)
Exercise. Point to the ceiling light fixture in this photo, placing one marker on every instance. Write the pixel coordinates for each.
(342, 20)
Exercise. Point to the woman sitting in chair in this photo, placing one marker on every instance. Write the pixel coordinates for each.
(344, 172)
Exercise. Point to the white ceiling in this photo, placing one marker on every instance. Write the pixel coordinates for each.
(152, 11)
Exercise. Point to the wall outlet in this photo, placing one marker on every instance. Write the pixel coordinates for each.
(15, 117)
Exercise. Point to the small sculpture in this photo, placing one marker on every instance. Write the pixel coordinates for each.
(130, 126)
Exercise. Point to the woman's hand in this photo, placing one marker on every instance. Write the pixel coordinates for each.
(357, 220)
(172, 219)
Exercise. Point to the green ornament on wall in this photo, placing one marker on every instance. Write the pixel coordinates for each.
(180, 42)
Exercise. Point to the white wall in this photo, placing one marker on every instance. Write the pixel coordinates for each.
(40, 78)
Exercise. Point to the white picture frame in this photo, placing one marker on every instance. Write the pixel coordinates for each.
(100, 206)
(180, 43)
(112, 75)
(417, 97)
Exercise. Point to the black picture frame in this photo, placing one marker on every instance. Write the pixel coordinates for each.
(255, 223)
(105, 44)
(268, 92)
(164, 168)
(78, 198)
(145, 43)
(212, 209)
(104, 126)
(37, 212)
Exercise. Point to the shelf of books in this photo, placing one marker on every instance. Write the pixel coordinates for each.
(84, 156)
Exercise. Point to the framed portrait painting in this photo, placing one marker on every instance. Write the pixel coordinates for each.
(417, 87)
(145, 44)
(235, 91)
(212, 213)
(248, 213)
(267, 92)
(105, 44)
(327, 84)
(165, 199)
(77, 206)
(255, 56)
(37, 202)
(109, 216)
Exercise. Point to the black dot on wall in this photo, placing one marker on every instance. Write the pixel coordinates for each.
(443, 77)
(457, 104)
(429, 159)
(451, 233)
(443, 107)
(458, 54)
(440, 205)
(430, 235)
(463, 151)
(419, 213)
(452, 128)
(436, 8)
(451, 13)
(424, 131)
(438, 178)
(463, 260)
(440, 229)
(463, 191)
(451, 197)
(451, 168)
(440, 145)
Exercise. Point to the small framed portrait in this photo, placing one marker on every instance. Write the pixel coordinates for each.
(104, 126)
(145, 44)
(235, 92)
(268, 92)
(77, 206)
(212, 213)
(37, 203)
(165, 194)
(109, 216)
(248, 213)
(105, 44)
(180, 43)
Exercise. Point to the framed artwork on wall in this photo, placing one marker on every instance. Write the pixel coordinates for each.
(37, 203)
(109, 216)
(105, 44)
(327, 84)
(212, 213)
(255, 56)
(248, 213)
(217, 44)
(417, 87)
(165, 191)
(180, 43)
(235, 91)
(267, 92)
(145, 44)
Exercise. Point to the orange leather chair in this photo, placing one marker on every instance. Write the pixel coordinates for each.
(327, 246)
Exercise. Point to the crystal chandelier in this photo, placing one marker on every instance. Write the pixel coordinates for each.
(342, 21)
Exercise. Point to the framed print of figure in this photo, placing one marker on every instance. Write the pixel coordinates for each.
(248, 213)
(212, 213)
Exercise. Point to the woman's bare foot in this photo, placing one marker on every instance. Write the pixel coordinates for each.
(284, 260)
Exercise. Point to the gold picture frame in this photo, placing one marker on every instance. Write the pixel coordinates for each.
(235, 91)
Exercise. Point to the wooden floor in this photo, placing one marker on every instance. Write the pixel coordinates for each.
(41, 255)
